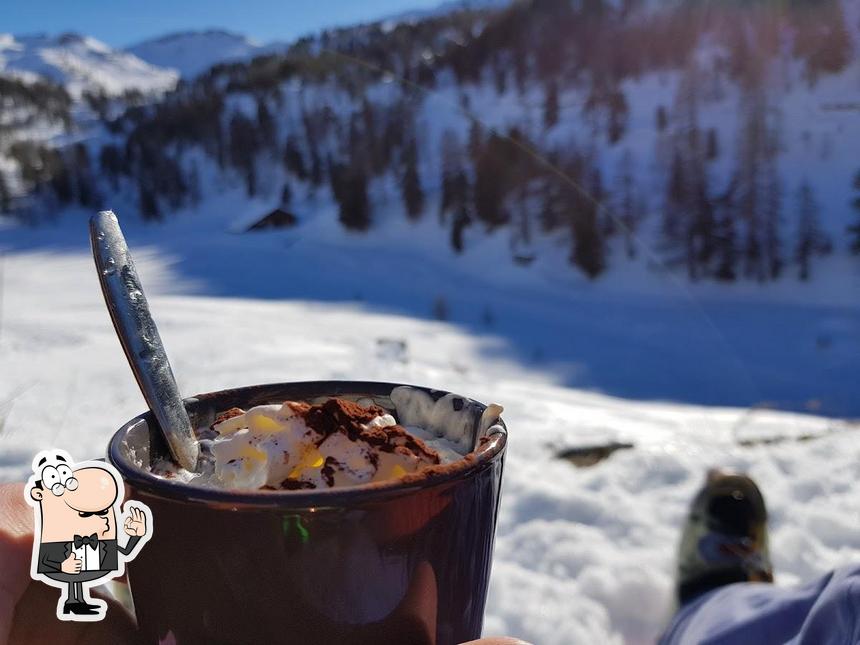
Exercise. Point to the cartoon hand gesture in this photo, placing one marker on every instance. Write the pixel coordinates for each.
(135, 523)
(71, 564)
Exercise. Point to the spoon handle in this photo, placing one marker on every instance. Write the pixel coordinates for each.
(139, 337)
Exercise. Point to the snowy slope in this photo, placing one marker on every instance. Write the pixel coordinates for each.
(82, 63)
(815, 128)
(582, 556)
(192, 52)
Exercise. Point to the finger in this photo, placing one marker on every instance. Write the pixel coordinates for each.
(35, 622)
(16, 544)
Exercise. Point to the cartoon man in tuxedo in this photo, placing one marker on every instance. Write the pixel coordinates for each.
(75, 543)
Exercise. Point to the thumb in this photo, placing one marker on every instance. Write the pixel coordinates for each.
(16, 544)
(28, 608)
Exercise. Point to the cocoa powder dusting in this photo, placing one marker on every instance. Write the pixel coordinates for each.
(227, 414)
(299, 407)
(340, 415)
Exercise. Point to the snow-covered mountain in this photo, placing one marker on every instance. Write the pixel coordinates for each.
(81, 64)
(588, 135)
(192, 52)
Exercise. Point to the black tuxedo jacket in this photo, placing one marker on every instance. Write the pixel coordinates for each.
(52, 554)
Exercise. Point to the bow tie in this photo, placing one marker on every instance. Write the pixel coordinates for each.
(90, 540)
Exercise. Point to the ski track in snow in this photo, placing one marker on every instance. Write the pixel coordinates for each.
(582, 556)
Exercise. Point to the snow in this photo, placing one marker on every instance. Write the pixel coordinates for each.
(190, 53)
(81, 63)
(582, 555)
(687, 373)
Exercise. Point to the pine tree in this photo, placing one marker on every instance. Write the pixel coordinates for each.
(772, 215)
(688, 220)
(5, 195)
(85, 189)
(618, 113)
(701, 232)
(854, 229)
(353, 201)
(110, 163)
(490, 182)
(662, 119)
(413, 195)
(550, 106)
(461, 222)
(294, 162)
(244, 143)
(312, 139)
(98, 102)
(194, 184)
(455, 190)
(451, 155)
(476, 140)
(500, 77)
(811, 240)
(712, 146)
(148, 203)
(628, 206)
(758, 189)
(676, 202)
(316, 173)
(581, 211)
(57, 171)
(521, 175)
(266, 125)
(726, 250)
(551, 203)
(588, 250)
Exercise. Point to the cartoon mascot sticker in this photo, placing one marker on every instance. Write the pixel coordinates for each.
(75, 544)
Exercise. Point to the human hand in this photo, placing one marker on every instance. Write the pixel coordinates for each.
(135, 523)
(28, 608)
(71, 564)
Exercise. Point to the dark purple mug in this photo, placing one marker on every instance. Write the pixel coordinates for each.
(392, 562)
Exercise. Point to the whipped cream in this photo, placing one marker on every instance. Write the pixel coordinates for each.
(297, 445)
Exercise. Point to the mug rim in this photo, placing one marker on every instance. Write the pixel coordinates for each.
(489, 448)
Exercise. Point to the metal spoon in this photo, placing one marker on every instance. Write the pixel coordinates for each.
(139, 337)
